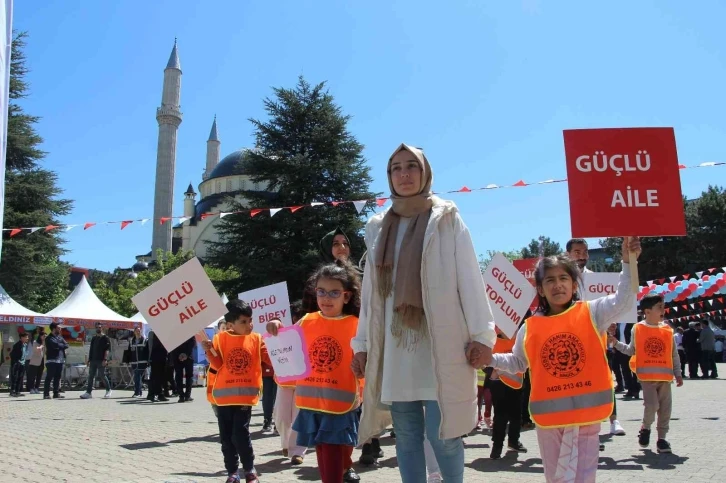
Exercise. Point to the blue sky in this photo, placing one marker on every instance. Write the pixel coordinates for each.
(485, 87)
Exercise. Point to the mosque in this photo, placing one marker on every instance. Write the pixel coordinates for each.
(222, 181)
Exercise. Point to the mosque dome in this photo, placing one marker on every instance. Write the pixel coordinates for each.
(140, 267)
(232, 164)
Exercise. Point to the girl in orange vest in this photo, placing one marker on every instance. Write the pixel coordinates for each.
(329, 399)
(212, 370)
(285, 409)
(572, 387)
(240, 354)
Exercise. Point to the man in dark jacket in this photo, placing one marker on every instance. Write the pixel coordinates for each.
(98, 356)
(55, 358)
(157, 359)
(139, 359)
(18, 355)
(184, 369)
(693, 350)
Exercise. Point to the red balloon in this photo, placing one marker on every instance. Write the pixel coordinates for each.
(705, 278)
(693, 286)
(671, 286)
(720, 283)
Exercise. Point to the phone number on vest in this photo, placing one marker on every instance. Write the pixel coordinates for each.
(321, 380)
(569, 386)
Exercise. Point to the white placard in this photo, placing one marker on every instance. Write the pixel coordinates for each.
(509, 293)
(268, 303)
(180, 304)
(288, 354)
(601, 284)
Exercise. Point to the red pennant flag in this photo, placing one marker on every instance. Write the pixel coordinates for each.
(381, 201)
(164, 219)
(720, 299)
(255, 212)
(701, 304)
(126, 223)
(520, 183)
(711, 270)
(50, 227)
(88, 225)
(464, 190)
(15, 231)
(667, 310)
(661, 280)
(206, 215)
(334, 203)
(681, 166)
(293, 209)
(685, 306)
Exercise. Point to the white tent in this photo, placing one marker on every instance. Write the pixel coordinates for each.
(213, 325)
(12, 312)
(82, 307)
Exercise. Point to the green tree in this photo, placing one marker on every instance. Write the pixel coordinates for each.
(484, 260)
(304, 154)
(535, 247)
(700, 249)
(30, 269)
(117, 290)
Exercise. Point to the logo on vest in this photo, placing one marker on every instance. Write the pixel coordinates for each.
(238, 361)
(654, 347)
(325, 354)
(563, 355)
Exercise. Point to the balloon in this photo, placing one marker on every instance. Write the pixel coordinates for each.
(672, 286)
(701, 291)
(705, 278)
(720, 283)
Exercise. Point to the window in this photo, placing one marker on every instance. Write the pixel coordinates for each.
(219, 187)
(229, 184)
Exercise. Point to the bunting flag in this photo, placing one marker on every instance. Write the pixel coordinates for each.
(358, 204)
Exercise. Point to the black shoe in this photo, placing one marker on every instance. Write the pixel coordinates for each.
(602, 447)
(393, 434)
(350, 476)
(644, 437)
(496, 452)
(267, 427)
(518, 447)
(663, 446)
(376, 447)
(528, 425)
(163, 399)
(188, 399)
(46, 396)
(366, 456)
(619, 389)
(181, 399)
(58, 396)
(628, 397)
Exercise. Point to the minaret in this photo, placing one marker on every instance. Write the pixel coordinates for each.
(189, 201)
(169, 118)
(212, 150)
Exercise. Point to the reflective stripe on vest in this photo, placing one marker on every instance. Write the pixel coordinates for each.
(235, 391)
(654, 352)
(570, 378)
(512, 380)
(481, 377)
(571, 403)
(331, 386)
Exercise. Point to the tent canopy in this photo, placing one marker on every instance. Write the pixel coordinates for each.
(82, 304)
(8, 306)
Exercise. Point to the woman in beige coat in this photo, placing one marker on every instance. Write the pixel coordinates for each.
(424, 323)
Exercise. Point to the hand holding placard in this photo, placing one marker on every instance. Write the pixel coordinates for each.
(288, 354)
(631, 252)
(203, 339)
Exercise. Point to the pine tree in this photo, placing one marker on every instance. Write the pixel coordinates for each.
(30, 267)
(543, 246)
(304, 153)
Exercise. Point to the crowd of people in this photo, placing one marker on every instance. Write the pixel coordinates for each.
(408, 343)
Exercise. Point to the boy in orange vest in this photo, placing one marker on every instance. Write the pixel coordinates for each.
(240, 355)
(656, 365)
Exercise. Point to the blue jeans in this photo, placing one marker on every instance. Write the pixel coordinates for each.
(138, 378)
(411, 419)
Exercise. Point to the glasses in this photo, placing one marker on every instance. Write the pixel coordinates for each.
(333, 294)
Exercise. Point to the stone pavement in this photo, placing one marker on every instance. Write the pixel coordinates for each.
(126, 440)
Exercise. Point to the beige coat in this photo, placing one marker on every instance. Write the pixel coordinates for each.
(457, 313)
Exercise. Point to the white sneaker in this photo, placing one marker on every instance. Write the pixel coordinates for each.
(107, 395)
(86, 395)
(434, 478)
(616, 429)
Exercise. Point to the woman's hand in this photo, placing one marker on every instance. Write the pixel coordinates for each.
(358, 366)
(207, 345)
(478, 355)
(274, 327)
(631, 244)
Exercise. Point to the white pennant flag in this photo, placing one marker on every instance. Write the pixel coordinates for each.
(710, 302)
(359, 205)
(546, 181)
(184, 218)
(143, 222)
(35, 228)
(316, 203)
(70, 227)
(223, 214)
(673, 278)
(491, 186)
(692, 306)
(274, 211)
(698, 274)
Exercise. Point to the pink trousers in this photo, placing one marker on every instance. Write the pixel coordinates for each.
(555, 448)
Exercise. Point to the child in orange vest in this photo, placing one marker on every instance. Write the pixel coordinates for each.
(285, 409)
(571, 383)
(212, 371)
(329, 399)
(240, 354)
(656, 364)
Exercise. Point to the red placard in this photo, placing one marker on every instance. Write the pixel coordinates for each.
(624, 182)
(526, 267)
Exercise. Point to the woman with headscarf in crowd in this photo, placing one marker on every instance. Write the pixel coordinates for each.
(425, 323)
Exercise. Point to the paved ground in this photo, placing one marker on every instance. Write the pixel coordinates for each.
(125, 440)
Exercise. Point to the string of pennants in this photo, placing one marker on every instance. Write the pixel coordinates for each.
(359, 205)
(705, 283)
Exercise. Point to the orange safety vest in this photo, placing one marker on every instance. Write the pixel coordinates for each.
(571, 381)
(631, 364)
(211, 377)
(332, 386)
(504, 346)
(653, 352)
(239, 380)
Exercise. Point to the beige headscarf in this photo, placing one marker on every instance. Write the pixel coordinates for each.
(409, 321)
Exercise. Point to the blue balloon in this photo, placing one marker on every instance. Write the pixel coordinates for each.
(701, 291)
(680, 289)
